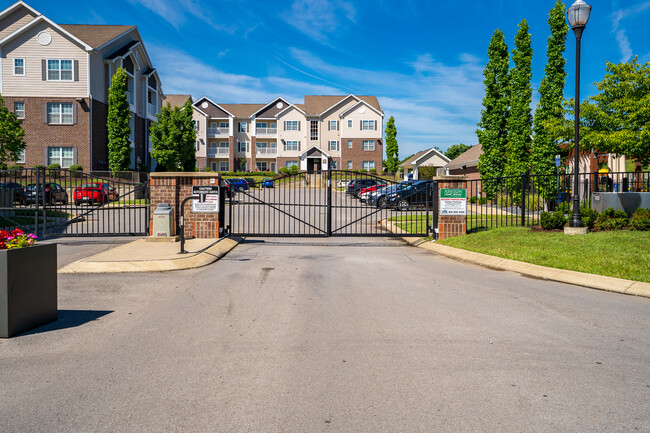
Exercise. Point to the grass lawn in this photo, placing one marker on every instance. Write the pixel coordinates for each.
(417, 223)
(620, 254)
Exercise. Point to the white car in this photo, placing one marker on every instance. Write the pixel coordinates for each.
(342, 183)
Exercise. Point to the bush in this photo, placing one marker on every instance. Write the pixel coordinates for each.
(284, 170)
(612, 219)
(589, 217)
(552, 221)
(363, 170)
(373, 170)
(294, 169)
(473, 199)
(76, 167)
(15, 167)
(482, 200)
(41, 166)
(640, 221)
(54, 170)
(205, 170)
(504, 200)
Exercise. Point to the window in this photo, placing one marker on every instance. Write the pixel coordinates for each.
(19, 67)
(333, 125)
(60, 155)
(314, 130)
(291, 125)
(59, 70)
(198, 144)
(213, 124)
(21, 157)
(368, 165)
(242, 127)
(290, 164)
(19, 109)
(260, 124)
(262, 166)
(349, 165)
(349, 144)
(334, 145)
(224, 166)
(350, 123)
(334, 165)
(292, 145)
(60, 113)
(196, 125)
(368, 125)
(368, 145)
(224, 125)
(242, 146)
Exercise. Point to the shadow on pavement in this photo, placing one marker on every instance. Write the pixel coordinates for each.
(69, 319)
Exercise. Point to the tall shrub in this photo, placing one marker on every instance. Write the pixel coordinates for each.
(117, 123)
(12, 135)
(392, 148)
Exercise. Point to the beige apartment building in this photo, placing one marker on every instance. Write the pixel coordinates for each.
(55, 77)
(325, 132)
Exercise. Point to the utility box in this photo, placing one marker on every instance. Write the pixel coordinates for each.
(163, 221)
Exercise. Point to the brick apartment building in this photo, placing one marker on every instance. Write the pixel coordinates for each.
(55, 77)
(337, 132)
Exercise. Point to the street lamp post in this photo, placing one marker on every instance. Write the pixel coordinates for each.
(578, 15)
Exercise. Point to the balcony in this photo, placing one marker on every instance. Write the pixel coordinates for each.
(266, 151)
(151, 109)
(215, 152)
(214, 132)
(266, 131)
(129, 97)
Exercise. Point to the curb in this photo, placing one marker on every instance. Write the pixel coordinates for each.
(204, 258)
(599, 282)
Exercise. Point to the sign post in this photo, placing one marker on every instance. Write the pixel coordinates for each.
(453, 201)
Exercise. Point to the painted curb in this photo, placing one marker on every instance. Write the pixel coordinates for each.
(204, 258)
(599, 282)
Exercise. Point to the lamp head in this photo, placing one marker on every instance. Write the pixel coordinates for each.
(578, 14)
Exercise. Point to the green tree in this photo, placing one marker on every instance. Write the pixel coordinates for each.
(456, 150)
(392, 149)
(117, 123)
(549, 109)
(617, 119)
(173, 138)
(492, 132)
(11, 135)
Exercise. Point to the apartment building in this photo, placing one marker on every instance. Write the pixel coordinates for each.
(55, 77)
(325, 132)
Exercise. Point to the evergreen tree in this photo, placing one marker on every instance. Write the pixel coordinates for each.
(11, 135)
(492, 132)
(549, 109)
(520, 120)
(173, 138)
(117, 123)
(392, 149)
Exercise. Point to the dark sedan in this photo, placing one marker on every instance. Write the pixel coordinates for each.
(52, 193)
(413, 195)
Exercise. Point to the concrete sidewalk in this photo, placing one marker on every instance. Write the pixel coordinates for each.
(145, 256)
(600, 282)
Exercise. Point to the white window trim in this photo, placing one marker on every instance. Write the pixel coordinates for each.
(336, 145)
(61, 122)
(291, 122)
(370, 123)
(240, 129)
(47, 70)
(335, 123)
(349, 165)
(239, 145)
(14, 67)
(220, 165)
(297, 145)
(369, 166)
(289, 164)
(349, 144)
(350, 123)
(19, 102)
(60, 160)
(363, 146)
(21, 157)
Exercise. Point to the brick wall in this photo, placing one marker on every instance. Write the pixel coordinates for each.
(357, 155)
(100, 136)
(173, 188)
(450, 226)
(39, 135)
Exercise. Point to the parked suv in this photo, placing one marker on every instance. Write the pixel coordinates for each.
(415, 194)
(53, 193)
(238, 184)
(357, 185)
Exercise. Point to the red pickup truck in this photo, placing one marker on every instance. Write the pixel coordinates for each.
(94, 193)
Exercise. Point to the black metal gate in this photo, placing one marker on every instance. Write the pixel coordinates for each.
(331, 203)
(59, 202)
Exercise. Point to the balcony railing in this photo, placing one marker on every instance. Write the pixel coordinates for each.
(218, 131)
(212, 151)
(266, 131)
(151, 109)
(266, 151)
(129, 97)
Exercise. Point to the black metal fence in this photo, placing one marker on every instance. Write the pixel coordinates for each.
(59, 202)
(519, 200)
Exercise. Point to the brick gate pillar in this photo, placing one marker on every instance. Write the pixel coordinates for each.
(173, 188)
(450, 226)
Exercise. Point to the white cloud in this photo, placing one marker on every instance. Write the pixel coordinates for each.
(176, 12)
(623, 45)
(319, 18)
(621, 38)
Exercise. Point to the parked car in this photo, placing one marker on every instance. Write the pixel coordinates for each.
(52, 193)
(342, 183)
(250, 181)
(94, 193)
(17, 190)
(365, 193)
(238, 184)
(267, 182)
(357, 185)
(412, 195)
(378, 198)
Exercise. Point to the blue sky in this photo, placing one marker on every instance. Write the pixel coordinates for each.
(423, 59)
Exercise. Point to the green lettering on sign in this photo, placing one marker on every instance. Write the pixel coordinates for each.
(453, 193)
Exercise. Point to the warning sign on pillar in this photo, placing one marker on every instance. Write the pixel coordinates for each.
(208, 201)
(453, 201)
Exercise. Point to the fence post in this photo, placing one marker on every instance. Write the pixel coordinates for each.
(329, 201)
(524, 184)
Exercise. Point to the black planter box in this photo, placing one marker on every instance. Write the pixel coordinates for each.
(28, 288)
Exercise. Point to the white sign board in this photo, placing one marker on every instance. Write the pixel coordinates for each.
(209, 202)
(453, 201)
